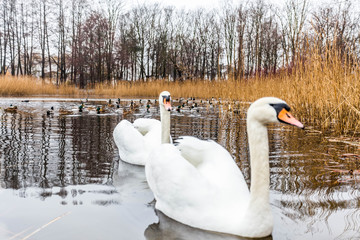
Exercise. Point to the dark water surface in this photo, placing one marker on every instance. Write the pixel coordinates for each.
(61, 178)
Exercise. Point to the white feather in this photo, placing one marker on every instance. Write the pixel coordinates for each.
(134, 147)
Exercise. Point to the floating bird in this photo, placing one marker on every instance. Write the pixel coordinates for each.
(127, 111)
(50, 111)
(11, 109)
(133, 106)
(63, 111)
(110, 104)
(136, 140)
(198, 183)
(100, 110)
(81, 107)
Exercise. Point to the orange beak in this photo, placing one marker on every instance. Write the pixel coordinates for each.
(286, 117)
(167, 105)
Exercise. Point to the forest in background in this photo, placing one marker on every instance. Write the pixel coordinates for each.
(83, 43)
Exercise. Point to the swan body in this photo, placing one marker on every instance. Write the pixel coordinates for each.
(136, 140)
(199, 184)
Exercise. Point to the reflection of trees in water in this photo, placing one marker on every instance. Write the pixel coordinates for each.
(233, 137)
(203, 126)
(310, 192)
(47, 151)
(93, 148)
(14, 150)
(55, 151)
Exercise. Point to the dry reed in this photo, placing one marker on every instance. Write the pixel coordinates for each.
(31, 86)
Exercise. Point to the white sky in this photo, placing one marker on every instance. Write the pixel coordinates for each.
(193, 4)
(187, 4)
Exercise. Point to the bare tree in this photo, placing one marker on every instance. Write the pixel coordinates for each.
(43, 35)
(292, 25)
(229, 25)
(242, 22)
(112, 13)
(95, 44)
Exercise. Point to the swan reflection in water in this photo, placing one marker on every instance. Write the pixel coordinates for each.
(130, 183)
(169, 229)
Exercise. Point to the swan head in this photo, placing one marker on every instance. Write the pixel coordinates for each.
(272, 110)
(165, 100)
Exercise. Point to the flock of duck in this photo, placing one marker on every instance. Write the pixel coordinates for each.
(115, 107)
(196, 182)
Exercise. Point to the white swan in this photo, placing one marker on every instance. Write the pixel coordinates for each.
(199, 184)
(136, 141)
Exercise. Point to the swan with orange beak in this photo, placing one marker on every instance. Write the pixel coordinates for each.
(199, 184)
(136, 140)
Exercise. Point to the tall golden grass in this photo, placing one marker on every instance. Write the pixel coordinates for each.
(323, 92)
(30, 86)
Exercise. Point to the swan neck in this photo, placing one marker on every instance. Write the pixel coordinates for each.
(259, 161)
(165, 125)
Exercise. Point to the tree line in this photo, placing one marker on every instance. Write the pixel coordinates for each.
(83, 42)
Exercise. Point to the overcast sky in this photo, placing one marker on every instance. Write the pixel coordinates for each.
(188, 4)
(193, 4)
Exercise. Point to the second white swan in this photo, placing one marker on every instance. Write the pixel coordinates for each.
(136, 140)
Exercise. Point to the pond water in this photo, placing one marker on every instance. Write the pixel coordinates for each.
(61, 176)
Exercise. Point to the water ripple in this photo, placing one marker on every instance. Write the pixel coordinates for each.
(313, 183)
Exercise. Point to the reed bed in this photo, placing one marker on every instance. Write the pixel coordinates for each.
(324, 92)
(30, 86)
(323, 95)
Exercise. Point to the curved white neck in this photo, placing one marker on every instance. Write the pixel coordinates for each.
(259, 161)
(259, 210)
(165, 125)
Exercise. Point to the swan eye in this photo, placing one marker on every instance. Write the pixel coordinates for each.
(166, 98)
(280, 106)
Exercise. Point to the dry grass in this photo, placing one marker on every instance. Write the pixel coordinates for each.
(324, 93)
(327, 92)
(30, 86)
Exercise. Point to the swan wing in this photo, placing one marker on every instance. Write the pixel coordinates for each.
(144, 125)
(215, 164)
(176, 184)
(188, 194)
(151, 129)
(131, 143)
